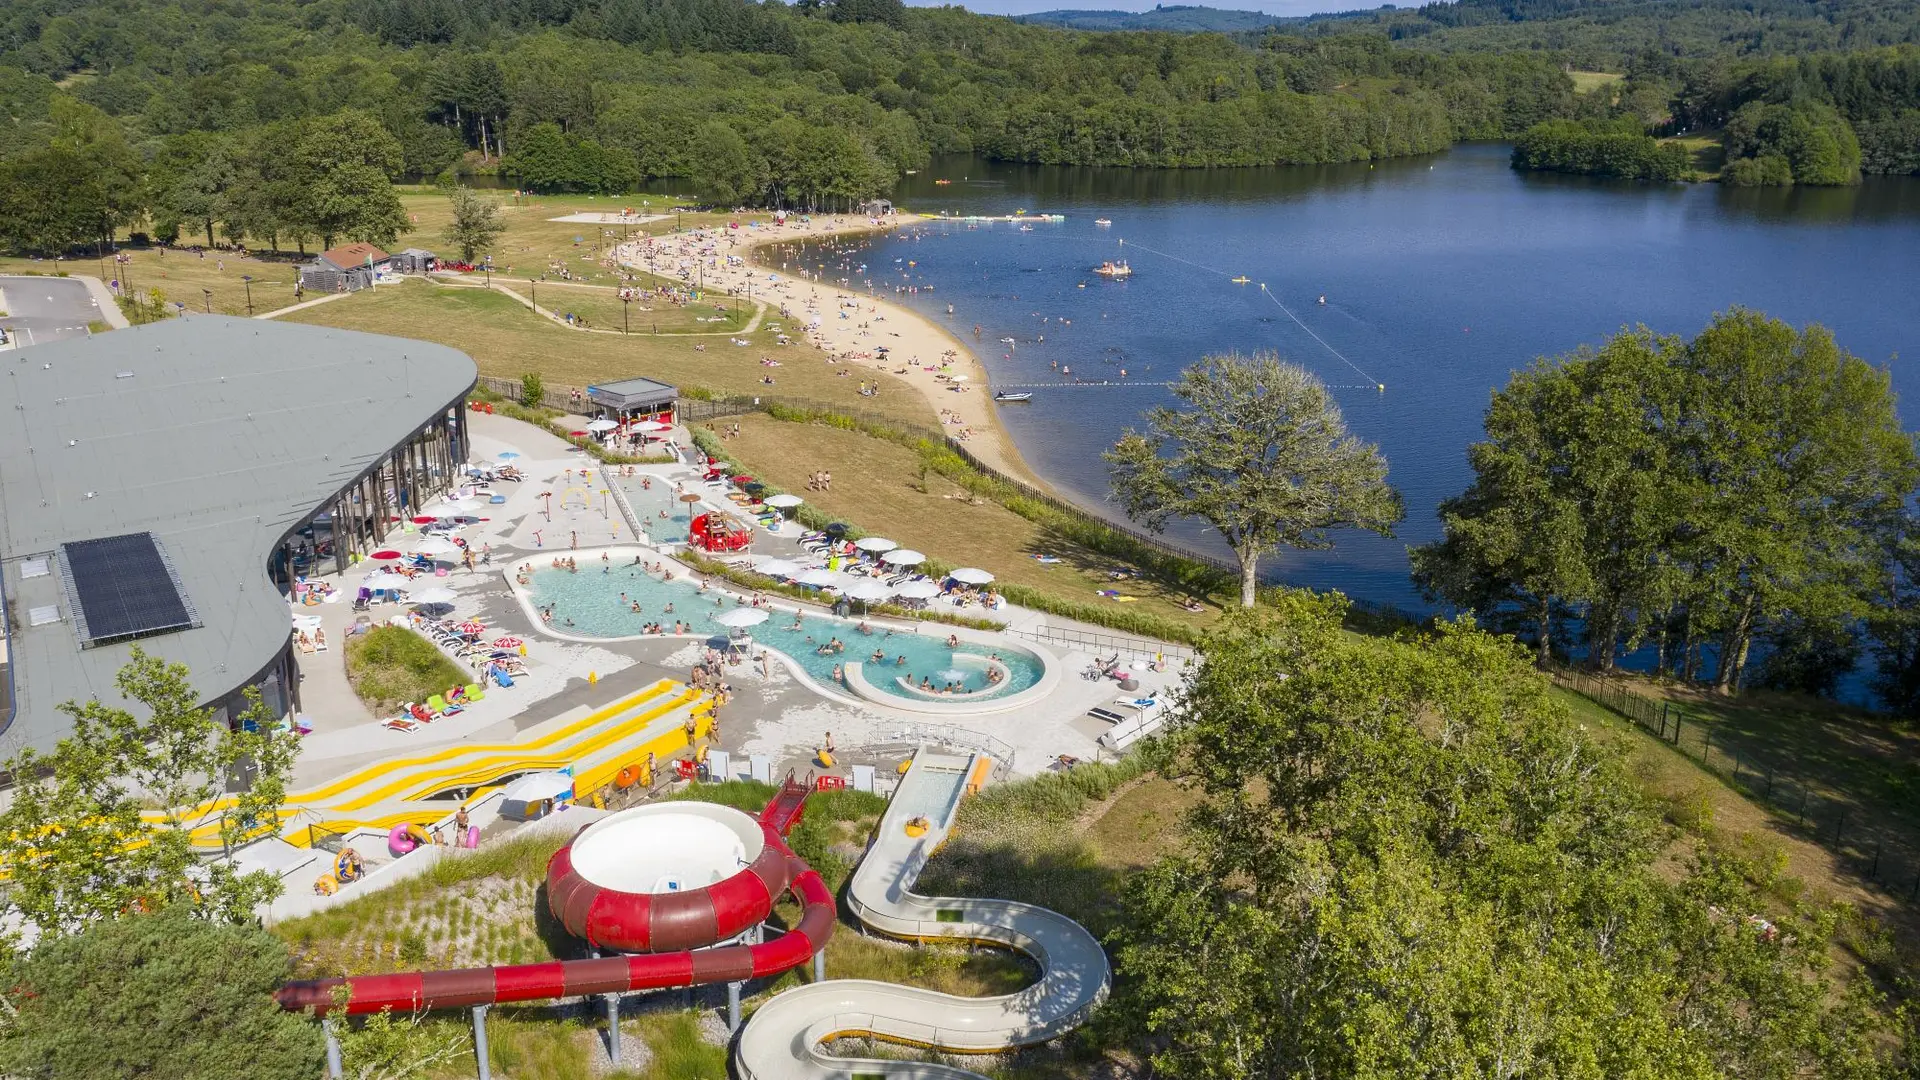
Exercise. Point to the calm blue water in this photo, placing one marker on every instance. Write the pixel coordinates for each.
(1442, 275)
(592, 600)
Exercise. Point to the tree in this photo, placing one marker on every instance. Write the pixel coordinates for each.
(476, 223)
(189, 181)
(723, 167)
(1797, 472)
(1261, 454)
(168, 996)
(76, 840)
(1408, 860)
(343, 169)
(1513, 538)
(532, 391)
(1573, 499)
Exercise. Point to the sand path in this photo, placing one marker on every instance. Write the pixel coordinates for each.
(922, 354)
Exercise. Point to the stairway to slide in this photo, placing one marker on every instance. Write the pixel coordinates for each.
(784, 1038)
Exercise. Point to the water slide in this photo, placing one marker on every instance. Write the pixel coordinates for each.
(782, 1040)
(775, 867)
(404, 789)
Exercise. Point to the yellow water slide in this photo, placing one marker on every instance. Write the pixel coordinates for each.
(404, 788)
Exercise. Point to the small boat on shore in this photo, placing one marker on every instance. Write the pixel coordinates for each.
(1103, 222)
(1114, 270)
(1013, 396)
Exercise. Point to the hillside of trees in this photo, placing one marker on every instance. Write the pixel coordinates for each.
(1179, 18)
(1602, 35)
(199, 119)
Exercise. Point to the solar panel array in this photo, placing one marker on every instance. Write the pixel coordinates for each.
(123, 587)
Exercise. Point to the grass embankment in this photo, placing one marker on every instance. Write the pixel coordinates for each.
(391, 664)
(507, 340)
(928, 498)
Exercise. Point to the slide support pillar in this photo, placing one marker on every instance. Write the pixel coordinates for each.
(480, 1042)
(613, 1029)
(733, 1006)
(334, 1070)
(820, 966)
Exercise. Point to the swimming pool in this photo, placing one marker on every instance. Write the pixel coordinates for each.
(649, 501)
(598, 602)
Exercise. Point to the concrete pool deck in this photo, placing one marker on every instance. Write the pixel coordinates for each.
(776, 710)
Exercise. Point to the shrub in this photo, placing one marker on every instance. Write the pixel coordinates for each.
(391, 664)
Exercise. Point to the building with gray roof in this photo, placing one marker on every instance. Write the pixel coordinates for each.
(163, 486)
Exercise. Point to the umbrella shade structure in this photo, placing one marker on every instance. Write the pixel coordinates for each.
(384, 556)
(656, 426)
(506, 455)
(754, 488)
(971, 575)
(431, 596)
(785, 502)
(822, 579)
(868, 591)
(875, 544)
(836, 529)
(741, 617)
(602, 424)
(777, 567)
(689, 497)
(903, 557)
(424, 519)
(956, 378)
(435, 545)
(918, 590)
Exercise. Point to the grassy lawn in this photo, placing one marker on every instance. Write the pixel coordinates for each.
(507, 340)
(1586, 82)
(532, 245)
(392, 664)
(715, 315)
(877, 486)
(1708, 155)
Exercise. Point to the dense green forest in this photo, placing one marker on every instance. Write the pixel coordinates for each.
(200, 117)
(1603, 35)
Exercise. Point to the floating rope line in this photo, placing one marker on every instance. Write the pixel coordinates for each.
(1372, 383)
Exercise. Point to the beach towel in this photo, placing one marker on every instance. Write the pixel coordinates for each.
(502, 677)
(1047, 558)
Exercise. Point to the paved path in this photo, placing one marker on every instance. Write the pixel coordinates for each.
(327, 299)
(43, 309)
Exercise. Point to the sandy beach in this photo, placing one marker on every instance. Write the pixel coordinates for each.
(845, 322)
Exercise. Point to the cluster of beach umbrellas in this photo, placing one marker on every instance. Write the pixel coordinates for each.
(869, 590)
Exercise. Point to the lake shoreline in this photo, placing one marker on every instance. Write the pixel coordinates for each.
(920, 338)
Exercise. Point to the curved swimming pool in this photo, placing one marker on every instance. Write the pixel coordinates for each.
(598, 602)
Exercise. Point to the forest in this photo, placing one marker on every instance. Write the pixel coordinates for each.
(211, 119)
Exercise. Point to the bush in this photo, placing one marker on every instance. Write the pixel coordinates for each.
(392, 664)
(533, 392)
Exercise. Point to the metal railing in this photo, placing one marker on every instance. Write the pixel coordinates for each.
(1136, 646)
(955, 738)
(1862, 839)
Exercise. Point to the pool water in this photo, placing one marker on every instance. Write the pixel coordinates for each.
(649, 503)
(589, 604)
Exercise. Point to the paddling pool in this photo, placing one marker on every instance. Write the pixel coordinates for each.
(589, 604)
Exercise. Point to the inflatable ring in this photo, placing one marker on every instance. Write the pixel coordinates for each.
(629, 776)
(405, 837)
(326, 885)
(826, 760)
(917, 826)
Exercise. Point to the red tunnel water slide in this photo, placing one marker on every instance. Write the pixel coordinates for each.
(645, 925)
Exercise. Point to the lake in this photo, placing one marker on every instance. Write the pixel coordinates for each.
(1441, 275)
